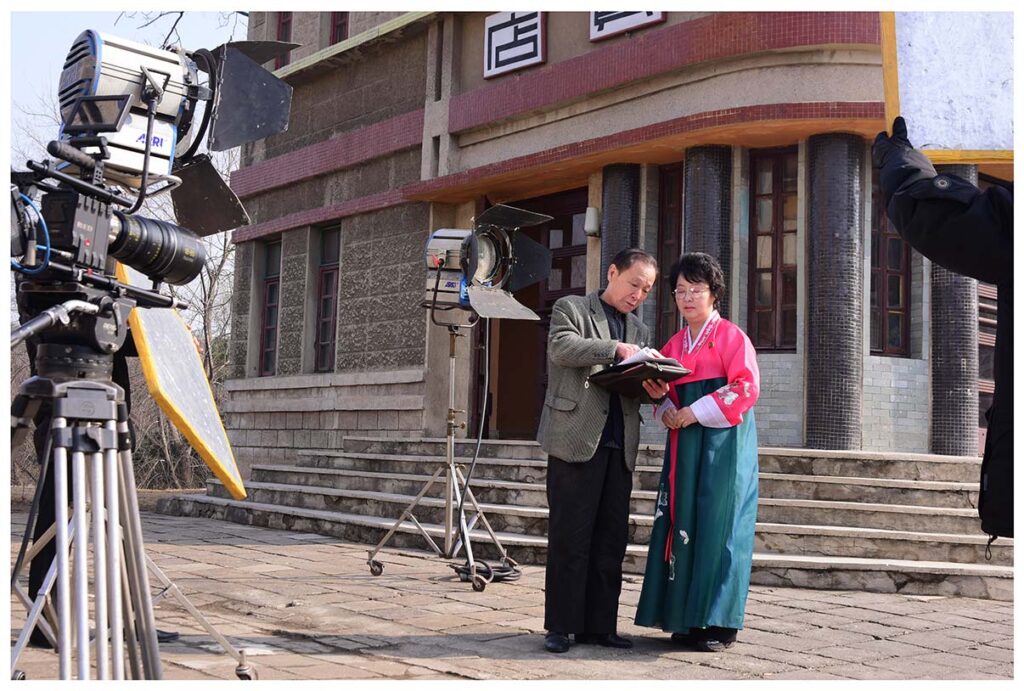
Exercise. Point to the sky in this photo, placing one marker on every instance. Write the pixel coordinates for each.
(36, 64)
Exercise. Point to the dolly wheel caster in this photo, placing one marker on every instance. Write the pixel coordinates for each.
(18, 675)
(376, 568)
(244, 670)
(479, 583)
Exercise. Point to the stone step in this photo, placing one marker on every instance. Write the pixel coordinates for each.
(923, 519)
(782, 570)
(775, 485)
(520, 520)
(824, 540)
(893, 465)
(872, 543)
(485, 490)
(954, 495)
(870, 464)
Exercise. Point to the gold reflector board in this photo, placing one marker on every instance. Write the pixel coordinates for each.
(176, 379)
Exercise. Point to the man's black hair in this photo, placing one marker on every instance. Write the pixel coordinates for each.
(627, 257)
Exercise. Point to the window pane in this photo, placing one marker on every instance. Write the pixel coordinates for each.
(986, 362)
(272, 293)
(894, 254)
(788, 327)
(554, 239)
(789, 180)
(764, 290)
(555, 279)
(874, 289)
(875, 245)
(764, 252)
(895, 292)
(789, 288)
(272, 259)
(876, 329)
(789, 209)
(579, 237)
(579, 271)
(330, 242)
(895, 330)
(764, 215)
(764, 176)
(765, 325)
(789, 249)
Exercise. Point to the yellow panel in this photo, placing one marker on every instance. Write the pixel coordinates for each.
(195, 413)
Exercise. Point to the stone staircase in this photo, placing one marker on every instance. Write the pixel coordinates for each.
(826, 519)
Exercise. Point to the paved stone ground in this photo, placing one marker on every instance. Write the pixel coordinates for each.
(306, 607)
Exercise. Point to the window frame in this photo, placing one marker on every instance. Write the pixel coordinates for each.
(779, 270)
(339, 18)
(327, 322)
(284, 33)
(269, 281)
(879, 273)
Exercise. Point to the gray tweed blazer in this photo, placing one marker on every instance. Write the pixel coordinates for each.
(575, 411)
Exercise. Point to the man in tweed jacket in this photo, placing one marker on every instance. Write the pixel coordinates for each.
(591, 438)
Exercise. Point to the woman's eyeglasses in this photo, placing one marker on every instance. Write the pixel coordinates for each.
(691, 293)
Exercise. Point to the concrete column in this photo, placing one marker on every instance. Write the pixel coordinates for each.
(954, 353)
(241, 303)
(292, 312)
(707, 208)
(620, 206)
(835, 349)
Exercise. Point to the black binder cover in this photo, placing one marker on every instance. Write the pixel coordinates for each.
(626, 380)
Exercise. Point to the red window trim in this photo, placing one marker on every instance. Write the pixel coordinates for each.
(884, 230)
(265, 329)
(326, 323)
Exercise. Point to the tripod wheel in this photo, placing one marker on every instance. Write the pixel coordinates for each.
(18, 675)
(479, 583)
(246, 673)
(376, 568)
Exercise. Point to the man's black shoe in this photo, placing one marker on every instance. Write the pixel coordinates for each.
(555, 642)
(166, 636)
(608, 640)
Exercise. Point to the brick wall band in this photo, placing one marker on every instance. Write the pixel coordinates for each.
(511, 168)
(712, 38)
(835, 358)
(954, 335)
(707, 212)
(620, 212)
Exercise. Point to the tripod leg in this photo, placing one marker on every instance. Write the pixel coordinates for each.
(408, 514)
(80, 546)
(134, 658)
(135, 552)
(60, 484)
(99, 552)
(483, 518)
(33, 512)
(110, 488)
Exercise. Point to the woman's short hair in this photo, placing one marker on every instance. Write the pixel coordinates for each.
(698, 267)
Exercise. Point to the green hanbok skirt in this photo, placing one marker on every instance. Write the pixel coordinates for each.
(704, 580)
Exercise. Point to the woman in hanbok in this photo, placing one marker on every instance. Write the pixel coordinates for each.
(702, 542)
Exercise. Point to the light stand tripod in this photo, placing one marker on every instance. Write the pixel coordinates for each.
(457, 490)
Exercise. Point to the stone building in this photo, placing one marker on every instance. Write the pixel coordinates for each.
(746, 135)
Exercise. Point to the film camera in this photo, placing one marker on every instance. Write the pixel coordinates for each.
(133, 119)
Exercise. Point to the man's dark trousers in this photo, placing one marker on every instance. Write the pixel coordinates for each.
(588, 527)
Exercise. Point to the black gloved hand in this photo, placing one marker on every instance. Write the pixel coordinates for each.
(884, 143)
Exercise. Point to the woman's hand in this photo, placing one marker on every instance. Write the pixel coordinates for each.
(677, 419)
(655, 388)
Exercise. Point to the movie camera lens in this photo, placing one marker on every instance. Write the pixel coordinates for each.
(159, 249)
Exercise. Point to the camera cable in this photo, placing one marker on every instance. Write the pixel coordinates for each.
(46, 236)
(504, 571)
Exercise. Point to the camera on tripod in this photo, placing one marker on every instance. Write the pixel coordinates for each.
(133, 119)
